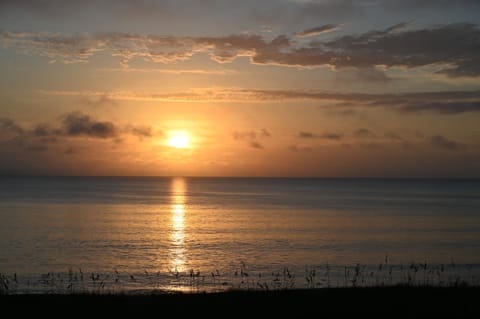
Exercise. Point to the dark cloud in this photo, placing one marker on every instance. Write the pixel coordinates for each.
(305, 134)
(265, 133)
(45, 130)
(42, 130)
(326, 135)
(454, 46)
(252, 137)
(363, 133)
(439, 141)
(8, 126)
(140, 131)
(75, 125)
(332, 136)
(429, 5)
(317, 30)
(79, 124)
(448, 107)
(256, 145)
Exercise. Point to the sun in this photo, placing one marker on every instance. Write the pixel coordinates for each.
(179, 139)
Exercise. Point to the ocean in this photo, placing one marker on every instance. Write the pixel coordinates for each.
(137, 234)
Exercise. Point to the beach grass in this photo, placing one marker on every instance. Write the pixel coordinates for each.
(416, 290)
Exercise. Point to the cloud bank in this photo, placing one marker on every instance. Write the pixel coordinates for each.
(74, 125)
(455, 48)
(441, 102)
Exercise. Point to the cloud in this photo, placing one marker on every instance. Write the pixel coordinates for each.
(172, 71)
(41, 130)
(327, 135)
(441, 142)
(441, 102)
(429, 5)
(363, 133)
(72, 125)
(8, 126)
(371, 74)
(265, 133)
(140, 131)
(305, 134)
(332, 136)
(78, 124)
(317, 30)
(455, 47)
(449, 107)
(99, 101)
(251, 137)
(256, 145)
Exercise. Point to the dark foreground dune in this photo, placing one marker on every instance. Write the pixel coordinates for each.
(373, 302)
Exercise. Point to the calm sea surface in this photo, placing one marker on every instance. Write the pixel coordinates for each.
(179, 233)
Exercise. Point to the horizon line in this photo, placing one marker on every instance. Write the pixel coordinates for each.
(244, 177)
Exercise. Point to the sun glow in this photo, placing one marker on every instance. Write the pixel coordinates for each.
(179, 139)
(178, 221)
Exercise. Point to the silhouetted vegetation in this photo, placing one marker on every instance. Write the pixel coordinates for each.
(244, 278)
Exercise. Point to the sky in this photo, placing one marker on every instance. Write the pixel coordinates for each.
(297, 88)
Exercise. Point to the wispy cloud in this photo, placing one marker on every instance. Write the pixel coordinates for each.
(442, 102)
(317, 30)
(172, 71)
(99, 101)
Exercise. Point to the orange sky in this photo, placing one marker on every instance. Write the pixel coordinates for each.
(327, 95)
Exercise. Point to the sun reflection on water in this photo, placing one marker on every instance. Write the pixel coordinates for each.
(177, 232)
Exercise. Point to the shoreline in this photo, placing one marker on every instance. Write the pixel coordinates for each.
(405, 302)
